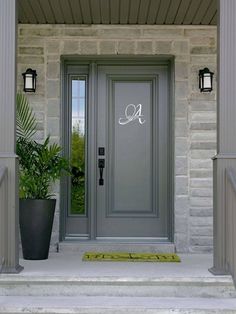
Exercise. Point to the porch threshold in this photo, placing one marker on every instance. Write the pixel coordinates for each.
(117, 245)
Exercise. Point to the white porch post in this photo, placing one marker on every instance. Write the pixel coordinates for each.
(8, 33)
(226, 149)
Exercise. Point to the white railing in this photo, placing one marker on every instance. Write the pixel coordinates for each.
(3, 215)
(230, 222)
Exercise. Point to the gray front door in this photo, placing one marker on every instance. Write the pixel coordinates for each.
(133, 129)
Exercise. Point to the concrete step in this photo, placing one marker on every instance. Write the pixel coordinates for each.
(205, 287)
(115, 305)
(112, 246)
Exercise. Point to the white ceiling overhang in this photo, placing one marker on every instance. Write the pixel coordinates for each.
(151, 12)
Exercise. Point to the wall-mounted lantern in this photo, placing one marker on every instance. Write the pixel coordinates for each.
(205, 80)
(29, 80)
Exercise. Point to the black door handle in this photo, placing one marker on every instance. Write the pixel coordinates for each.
(101, 166)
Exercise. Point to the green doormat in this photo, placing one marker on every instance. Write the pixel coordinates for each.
(130, 257)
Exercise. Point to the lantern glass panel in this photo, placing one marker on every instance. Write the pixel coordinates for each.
(29, 81)
(207, 81)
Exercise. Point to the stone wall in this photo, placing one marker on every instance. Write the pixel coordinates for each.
(194, 47)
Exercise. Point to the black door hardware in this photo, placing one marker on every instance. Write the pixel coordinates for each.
(101, 151)
(101, 166)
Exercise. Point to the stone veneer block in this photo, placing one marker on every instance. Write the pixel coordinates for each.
(40, 31)
(159, 32)
(126, 47)
(144, 47)
(119, 32)
(107, 47)
(53, 88)
(181, 185)
(181, 128)
(180, 47)
(88, 47)
(31, 51)
(162, 47)
(80, 32)
(53, 46)
(70, 47)
(33, 60)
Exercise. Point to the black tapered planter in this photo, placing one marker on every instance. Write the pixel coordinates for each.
(36, 220)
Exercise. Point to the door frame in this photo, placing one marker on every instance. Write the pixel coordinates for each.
(92, 62)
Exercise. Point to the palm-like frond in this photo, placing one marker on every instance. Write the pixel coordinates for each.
(25, 119)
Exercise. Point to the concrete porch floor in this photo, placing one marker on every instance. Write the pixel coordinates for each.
(65, 284)
(71, 264)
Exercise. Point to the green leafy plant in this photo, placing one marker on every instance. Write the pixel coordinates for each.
(40, 164)
(77, 171)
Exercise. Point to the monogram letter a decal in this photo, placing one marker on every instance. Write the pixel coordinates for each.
(132, 113)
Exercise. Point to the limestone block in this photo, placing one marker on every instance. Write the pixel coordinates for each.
(201, 249)
(126, 47)
(181, 242)
(181, 70)
(203, 136)
(107, 47)
(203, 116)
(181, 89)
(204, 154)
(144, 47)
(70, 47)
(200, 32)
(201, 182)
(53, 108)
(201, 221)
(119, 32)
(201, 192)
(181, 205)
(181, 185)
(197, 105)
(40, 31)
(53, 126)
(180, 47)
(203, 126)
(32, 60)
(31, 41)
(181, 166)
(203, 50)
(201, 173)
(182, 57)
(201, 201)
(162, 47)
(53, 70)
(32, 51)
(181, 128)
(201, 240)
(181, 224)
(158, 32)
(181, 108)
(181, 146)
(88, 47)
(53, 57)
(53, 88)
(80, 31)
(53, 46)
(201, 164)
(203, 145)
(201, 212)
(203, 41)
(202, 231)
(203, 60)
